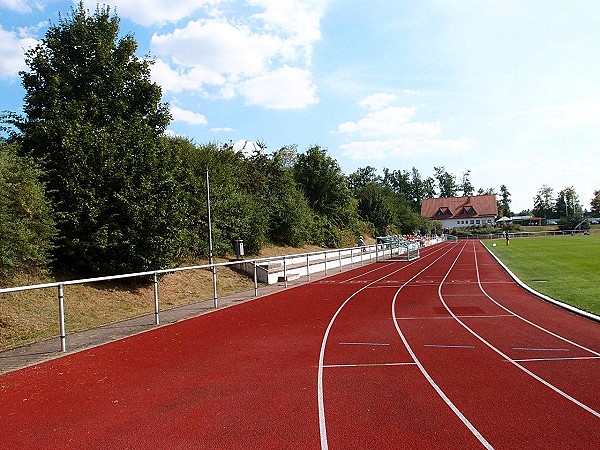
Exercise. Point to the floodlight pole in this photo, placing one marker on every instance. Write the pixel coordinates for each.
(210, 244)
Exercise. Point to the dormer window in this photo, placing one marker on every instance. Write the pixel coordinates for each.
(467, 211)
(444, 211)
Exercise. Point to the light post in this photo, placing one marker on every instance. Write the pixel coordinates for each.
(210, 243)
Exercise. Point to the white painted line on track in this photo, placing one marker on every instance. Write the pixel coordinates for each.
(575, 358)
(502, 354)
(320, 393)
(524, 319)
(333, 366)
(449, 346)
(450, 317)
(428, 377)
(364, 343)
(541, 349)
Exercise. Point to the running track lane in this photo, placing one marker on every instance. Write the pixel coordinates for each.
(471, 348)
(245, 377)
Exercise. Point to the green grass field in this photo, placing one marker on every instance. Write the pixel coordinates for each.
(566, 268)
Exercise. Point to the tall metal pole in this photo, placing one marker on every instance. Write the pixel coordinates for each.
(210, 244)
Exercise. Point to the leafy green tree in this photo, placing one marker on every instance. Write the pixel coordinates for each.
(290, 219)
(446, 182)
(543, 202)
(466, 185)
(326, 189)
(236, 212)
(93, 121)
(26, 225)
(595, 204)
(504, 202)
(363, 176)
(375, 206)
(567, 203)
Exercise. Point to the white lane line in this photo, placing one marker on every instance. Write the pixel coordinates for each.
(449, 346)
(502, 354)
(541, 349)
(557, 359)
(320, 393)
(370, 364)
(524, 319)
(449, 317)
(428, 377)
(364, 343)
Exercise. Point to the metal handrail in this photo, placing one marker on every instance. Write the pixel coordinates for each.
(60, 285)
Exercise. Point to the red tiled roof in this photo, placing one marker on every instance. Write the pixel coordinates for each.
(460, 207)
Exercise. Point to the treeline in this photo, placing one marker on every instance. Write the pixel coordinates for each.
(106, 213)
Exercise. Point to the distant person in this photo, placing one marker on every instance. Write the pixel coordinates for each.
(507, 237)
(361, 243)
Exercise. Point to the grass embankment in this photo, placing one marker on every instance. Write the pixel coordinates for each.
(30, 316)
(566, 268)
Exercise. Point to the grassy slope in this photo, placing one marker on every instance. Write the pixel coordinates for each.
(566, 268)
(30, 316)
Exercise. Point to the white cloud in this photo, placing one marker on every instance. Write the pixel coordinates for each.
(390, 148)
(183, 115)
(264, 57)
(222, 130)
(576, 113)
(218, 47)
(21, 6)
(377, 101)
(12, 49)
(391, 131)
(285, 88)
(156, 12)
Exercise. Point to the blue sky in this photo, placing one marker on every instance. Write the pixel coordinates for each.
(508, 89)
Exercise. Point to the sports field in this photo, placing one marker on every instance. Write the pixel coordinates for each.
(566, 268)
(443, 352)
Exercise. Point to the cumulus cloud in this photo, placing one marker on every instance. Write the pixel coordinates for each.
(190, 117)
(391, 131)
(285, 88)
(21, 6)
(12, 48)
(264, 57)
(156, 12)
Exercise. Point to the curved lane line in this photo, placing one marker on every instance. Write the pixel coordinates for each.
(428, 377)
(321, 401)
(524, 319)
(505, 356)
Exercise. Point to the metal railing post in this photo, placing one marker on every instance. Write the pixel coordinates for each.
(156, 308)
(307, 268)
(340, 258)
(325, 263)
(215, 299)
(61, 315)
(255, 281)
(285, 280)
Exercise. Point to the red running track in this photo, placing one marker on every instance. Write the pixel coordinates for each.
(442, 352)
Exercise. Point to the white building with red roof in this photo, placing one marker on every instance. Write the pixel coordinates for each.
(459, 212)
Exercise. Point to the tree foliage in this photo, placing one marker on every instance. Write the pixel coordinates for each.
(93, 121)
(26, 224)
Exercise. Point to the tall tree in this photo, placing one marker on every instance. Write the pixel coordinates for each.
(567, 203)
(363, 176)
(323, 183)
(543, 202)
(446, 182)
(93, 120)
(504, 202)
(466, 185)
(595, 204)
